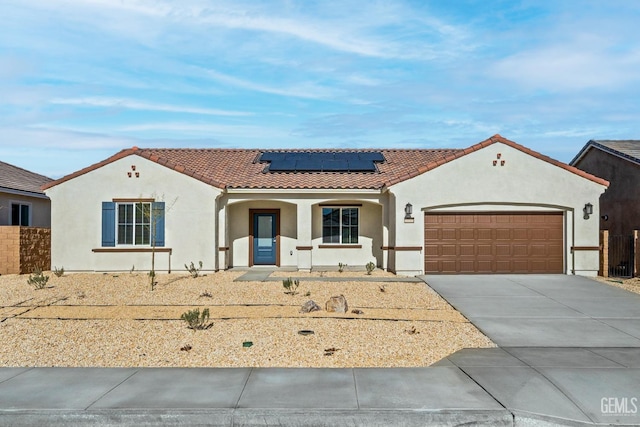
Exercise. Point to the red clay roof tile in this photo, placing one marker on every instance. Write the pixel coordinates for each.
(238, 168)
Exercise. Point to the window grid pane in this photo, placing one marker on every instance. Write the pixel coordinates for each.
(340, 225)
(143, 224)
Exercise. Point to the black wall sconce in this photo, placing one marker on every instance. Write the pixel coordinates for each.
(408, 210)
(588, 210)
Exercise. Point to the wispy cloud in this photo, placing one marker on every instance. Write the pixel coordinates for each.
(212, 129)
(304, 90)
(138, 105)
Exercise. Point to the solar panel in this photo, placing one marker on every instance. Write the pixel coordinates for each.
(335, 166)
(361, 166)
(312, 161)
(372, 156)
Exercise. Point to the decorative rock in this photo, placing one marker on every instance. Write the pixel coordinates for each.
(310, 306)
(337, 304)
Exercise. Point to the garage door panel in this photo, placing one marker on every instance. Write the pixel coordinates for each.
(503, 250)
(520, 250)
(494, 243)
(520, 234)
(503, 234)
(467, 250)
(483, 266)
(449, 234)
(484, 250)
(484, 234)
(449, 250)
(467, 234)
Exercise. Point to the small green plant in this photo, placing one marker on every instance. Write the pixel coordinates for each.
(291, 286)
(341, 267)
(193, 271)
(38, 279)
(370, 267)
(59, 272)
(196, 320)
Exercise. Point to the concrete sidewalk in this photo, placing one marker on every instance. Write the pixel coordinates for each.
(569, 355)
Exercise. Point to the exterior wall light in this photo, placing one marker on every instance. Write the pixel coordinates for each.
(588, 210)
(408, 210)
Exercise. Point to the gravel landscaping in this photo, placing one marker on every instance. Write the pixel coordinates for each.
(93, 319)
(632, 285)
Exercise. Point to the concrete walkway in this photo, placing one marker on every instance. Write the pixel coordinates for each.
(569, 355)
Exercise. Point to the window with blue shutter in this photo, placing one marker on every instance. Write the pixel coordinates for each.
(108, 224)
(132, 223)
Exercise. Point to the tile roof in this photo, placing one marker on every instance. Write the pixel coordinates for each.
(628, 149)
(239, 168)
(15, 178)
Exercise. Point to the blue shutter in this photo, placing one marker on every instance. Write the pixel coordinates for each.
(157, 212)
(108, 224)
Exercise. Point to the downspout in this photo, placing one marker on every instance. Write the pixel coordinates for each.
(573, 242)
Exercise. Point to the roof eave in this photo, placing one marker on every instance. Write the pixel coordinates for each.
(23, 193)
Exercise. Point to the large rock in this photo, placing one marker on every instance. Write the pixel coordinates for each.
(310, 306)
(337, 304)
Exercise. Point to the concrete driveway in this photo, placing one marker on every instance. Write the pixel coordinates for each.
(544, 310)
(569, 346)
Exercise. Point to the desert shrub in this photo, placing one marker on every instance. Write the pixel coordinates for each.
(341, 267)
(59, 272)
(291, 286)
(193, 271)
(37, 279)
(370, 267)
(196, 320)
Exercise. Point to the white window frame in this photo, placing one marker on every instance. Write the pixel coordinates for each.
(341, 208)
(134, 224)
(21, 203)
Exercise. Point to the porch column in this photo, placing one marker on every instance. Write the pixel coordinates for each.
(304, 246)
(384, 223)
(222, 247)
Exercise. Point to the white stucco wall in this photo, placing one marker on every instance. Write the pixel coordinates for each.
(524, 183)
(76, 217)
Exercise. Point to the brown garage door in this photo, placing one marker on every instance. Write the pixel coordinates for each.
(494, 243)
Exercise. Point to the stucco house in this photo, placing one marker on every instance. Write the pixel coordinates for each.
(617, 161)
(495, 207)
(22, 202)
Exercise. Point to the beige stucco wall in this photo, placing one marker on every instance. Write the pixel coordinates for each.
(524, 183)
(76, 217)
(40, 209)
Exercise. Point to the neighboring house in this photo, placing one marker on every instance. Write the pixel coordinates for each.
(22, 202)
(619, 163)
(495, 207)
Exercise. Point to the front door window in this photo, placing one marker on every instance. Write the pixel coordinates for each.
(264, 238)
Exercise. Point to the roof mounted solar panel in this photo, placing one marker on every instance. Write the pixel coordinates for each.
(372, 156)
(321, 161)
(361, 166)
(335, 166)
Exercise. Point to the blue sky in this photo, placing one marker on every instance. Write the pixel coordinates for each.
(83, 79)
